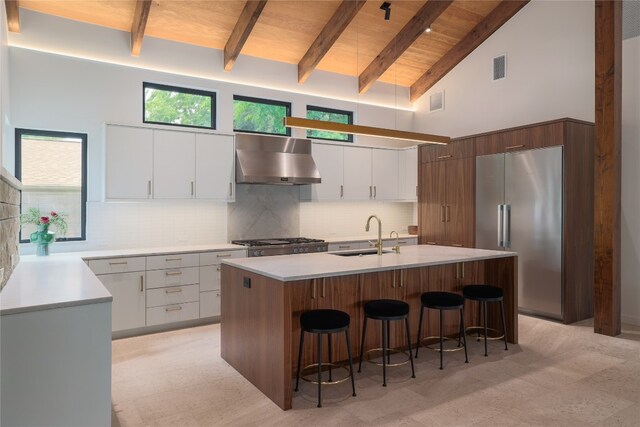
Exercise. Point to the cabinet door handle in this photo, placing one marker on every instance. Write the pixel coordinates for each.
(394, 279)
(511, 147)
(442, 214)
(173, 291)
(141, 283)
(172, 259)
(149, 188)
(231, 189)
(324, 287)
(313, 289)
(457, 270)
(370, 191)
(173, 308)
(344, 247)
(457, 245)
(173, 273)
(118, 263)
(463, 270)
(341, 191)
(192, 188)
(448, 156)
(223, 255)
(402, 242)
(401, 278)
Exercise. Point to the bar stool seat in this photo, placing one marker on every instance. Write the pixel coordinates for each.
(319, 322)
(483, 294)
(386, 310)
(442, 301)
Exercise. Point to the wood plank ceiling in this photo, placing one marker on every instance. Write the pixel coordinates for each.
(347, 37)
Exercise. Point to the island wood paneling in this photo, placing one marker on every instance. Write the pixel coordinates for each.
(256, 331)
(260, 325)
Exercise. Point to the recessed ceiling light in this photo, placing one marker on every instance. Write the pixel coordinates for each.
(428, 30)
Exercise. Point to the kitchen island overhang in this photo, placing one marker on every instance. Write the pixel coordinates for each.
(263, 298)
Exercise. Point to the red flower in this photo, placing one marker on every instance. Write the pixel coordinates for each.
(53, 214)
(44, 220)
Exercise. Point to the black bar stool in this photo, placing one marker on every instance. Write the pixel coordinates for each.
(320, 322)
(484, 294)
(386, 310)
(443, 301)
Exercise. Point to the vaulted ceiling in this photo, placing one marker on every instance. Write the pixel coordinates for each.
(348, 37)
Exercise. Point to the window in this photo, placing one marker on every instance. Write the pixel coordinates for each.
(53, 169)
(329, 115)
(260, 115)
(177, 106)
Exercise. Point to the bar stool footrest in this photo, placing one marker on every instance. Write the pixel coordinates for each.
(314, 371)
(368, 357)
(470, 329)
(435, 346)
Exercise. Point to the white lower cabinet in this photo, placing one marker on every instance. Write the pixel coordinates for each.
(173, 313)
(172, 295)
(210, 303)
(128, 307)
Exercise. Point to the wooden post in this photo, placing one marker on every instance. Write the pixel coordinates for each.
(608, 125)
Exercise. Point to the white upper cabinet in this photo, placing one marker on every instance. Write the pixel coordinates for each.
(147, 163)
(385, 174)
(330, 162)
(174, 164)
(129, 163)
(357, 174)
(408, 174)
(215, 171)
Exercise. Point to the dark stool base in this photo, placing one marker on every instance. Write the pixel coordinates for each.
(482, 309)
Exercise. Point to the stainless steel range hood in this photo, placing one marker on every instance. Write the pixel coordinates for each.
(266, 159)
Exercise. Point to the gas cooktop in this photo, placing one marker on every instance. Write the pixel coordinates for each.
(275, 242)
(282, 246)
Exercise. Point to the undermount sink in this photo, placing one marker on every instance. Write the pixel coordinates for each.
(360, 253)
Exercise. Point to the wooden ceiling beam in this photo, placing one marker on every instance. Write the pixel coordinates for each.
(139, 24)
(13, 15)
(416, 26)
(494, 20)
(240, 34)
(340, 20)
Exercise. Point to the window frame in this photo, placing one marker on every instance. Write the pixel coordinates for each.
(349, 114)
(19, 132)
(190, 91)
(254, 100)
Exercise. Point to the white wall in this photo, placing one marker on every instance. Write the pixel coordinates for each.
(6, 138)
(75, 77)
(630, 223)
(550, 74)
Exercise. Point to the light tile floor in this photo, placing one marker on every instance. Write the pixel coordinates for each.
(559, 375)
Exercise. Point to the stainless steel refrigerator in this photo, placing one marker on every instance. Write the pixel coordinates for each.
(519, 208)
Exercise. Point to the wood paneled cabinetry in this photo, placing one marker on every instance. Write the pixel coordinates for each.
(147, 163)
(446, 198)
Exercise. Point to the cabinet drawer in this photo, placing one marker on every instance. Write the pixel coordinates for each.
(210, 278)
(209, 304)
(117, 265)
(173, 313)
(172, 295)
(214, 258)
(459, 149)
(172, 261)
(173, 277)
(347, 246)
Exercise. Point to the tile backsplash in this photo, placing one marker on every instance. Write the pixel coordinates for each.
(344, 219)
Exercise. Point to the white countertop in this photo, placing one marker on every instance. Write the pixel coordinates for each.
(308, 266)
(118, 253)
(41, 283)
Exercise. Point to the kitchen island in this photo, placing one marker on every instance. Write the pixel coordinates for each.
(263, 298)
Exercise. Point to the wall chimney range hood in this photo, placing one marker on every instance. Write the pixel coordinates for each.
(267, 159)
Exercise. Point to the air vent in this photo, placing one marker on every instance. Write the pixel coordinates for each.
(500, 67)
(436, 101)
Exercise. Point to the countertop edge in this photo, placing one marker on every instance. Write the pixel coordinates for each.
(54, 305)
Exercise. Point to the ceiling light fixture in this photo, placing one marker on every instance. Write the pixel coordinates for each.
(386, 6)
(428, 30)
(299, 122)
